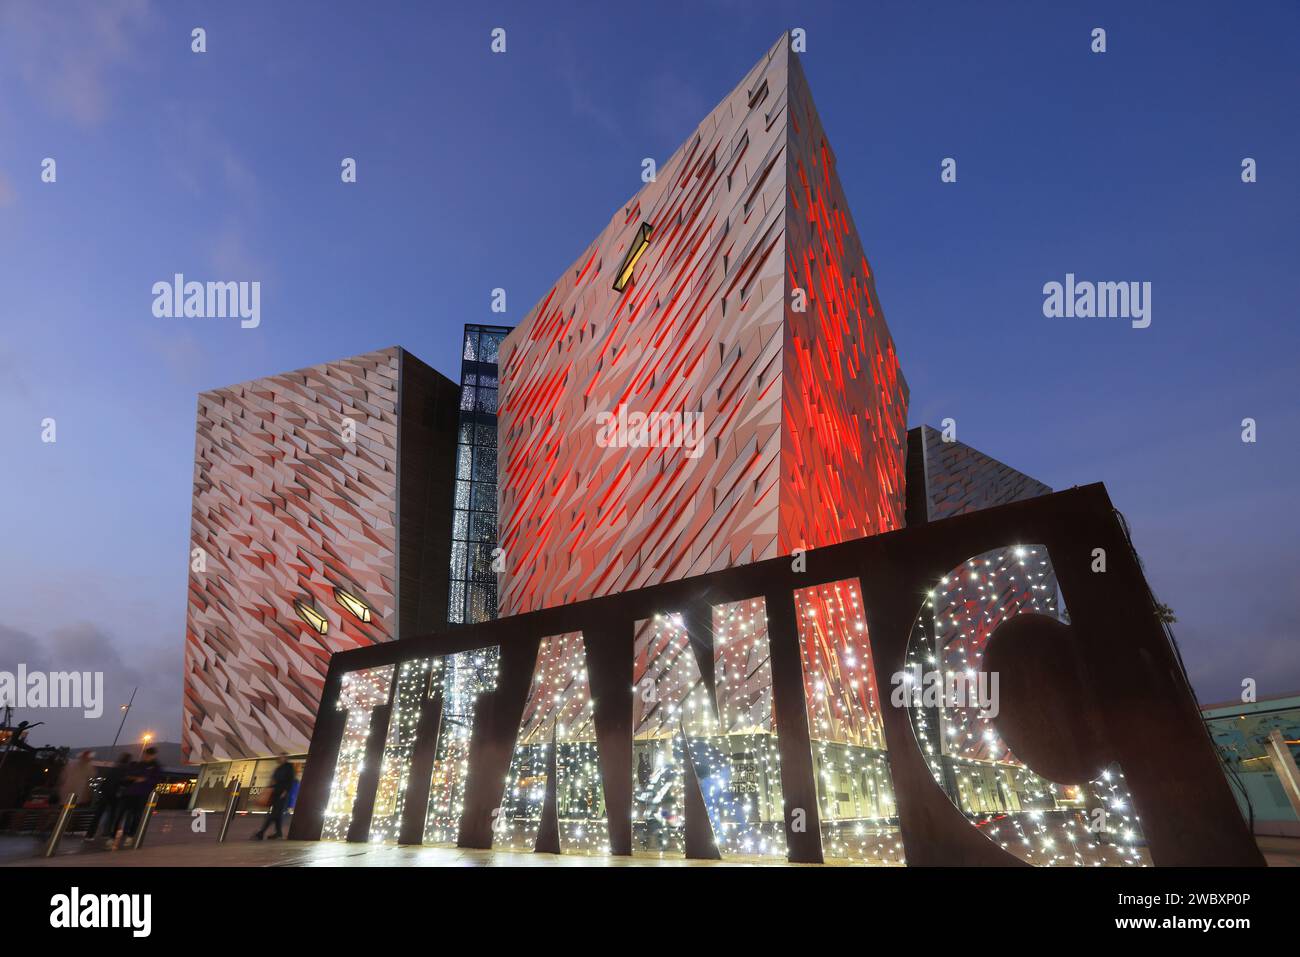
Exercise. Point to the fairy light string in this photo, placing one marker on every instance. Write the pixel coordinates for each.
(1092, 823)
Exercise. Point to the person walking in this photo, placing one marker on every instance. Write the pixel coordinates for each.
(141, 778)
(282, 782)
(106, 808)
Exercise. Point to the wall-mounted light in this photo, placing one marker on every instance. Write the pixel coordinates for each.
(311, 616)
(634, 251)
(359, 609)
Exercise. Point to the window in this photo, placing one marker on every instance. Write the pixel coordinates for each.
(634, 251)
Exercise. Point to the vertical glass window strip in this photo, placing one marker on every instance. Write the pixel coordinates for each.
(460, 526)
(855, 791)
(1039, 821)
(473, 592)
(413, 680)
(557, 732)
(360, 693)
(466, 677)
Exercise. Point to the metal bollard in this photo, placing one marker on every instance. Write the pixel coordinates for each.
(230, 813)
(53, 844)
(143, 827)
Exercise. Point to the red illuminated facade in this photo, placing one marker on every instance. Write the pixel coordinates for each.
(844, 399)
(750, 337)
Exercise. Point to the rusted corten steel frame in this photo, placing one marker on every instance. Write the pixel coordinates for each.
(1106, 688)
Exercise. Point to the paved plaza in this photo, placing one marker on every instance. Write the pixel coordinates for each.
(171, 842)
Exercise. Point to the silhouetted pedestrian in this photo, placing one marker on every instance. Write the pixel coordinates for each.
(106, 808)
(141, 778)
(282, 781)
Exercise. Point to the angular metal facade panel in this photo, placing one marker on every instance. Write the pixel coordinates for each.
(702, 329)
(284, 510)
(958, 479)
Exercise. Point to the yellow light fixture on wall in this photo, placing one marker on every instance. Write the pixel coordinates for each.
(359, 609)
(634, 251)
(311, 616)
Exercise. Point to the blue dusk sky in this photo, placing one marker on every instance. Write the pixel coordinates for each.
(478, 171)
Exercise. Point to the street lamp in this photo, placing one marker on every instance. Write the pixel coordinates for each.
(144, 743)
(126, 709)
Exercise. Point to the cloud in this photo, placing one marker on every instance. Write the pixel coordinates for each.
(84, 646)
(673, 106)
(581, 102)
(229, 255)
(1217, 666)
(69, 53)
(182, 354)
(199, 156)
(204, 163)
(13, 375)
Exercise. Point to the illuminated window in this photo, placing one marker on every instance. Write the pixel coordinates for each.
(634, 251)
(359, 609)
(311, 616)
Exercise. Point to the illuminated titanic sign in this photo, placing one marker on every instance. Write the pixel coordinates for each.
(971, 691)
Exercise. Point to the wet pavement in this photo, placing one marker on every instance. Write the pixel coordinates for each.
(172, 841)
